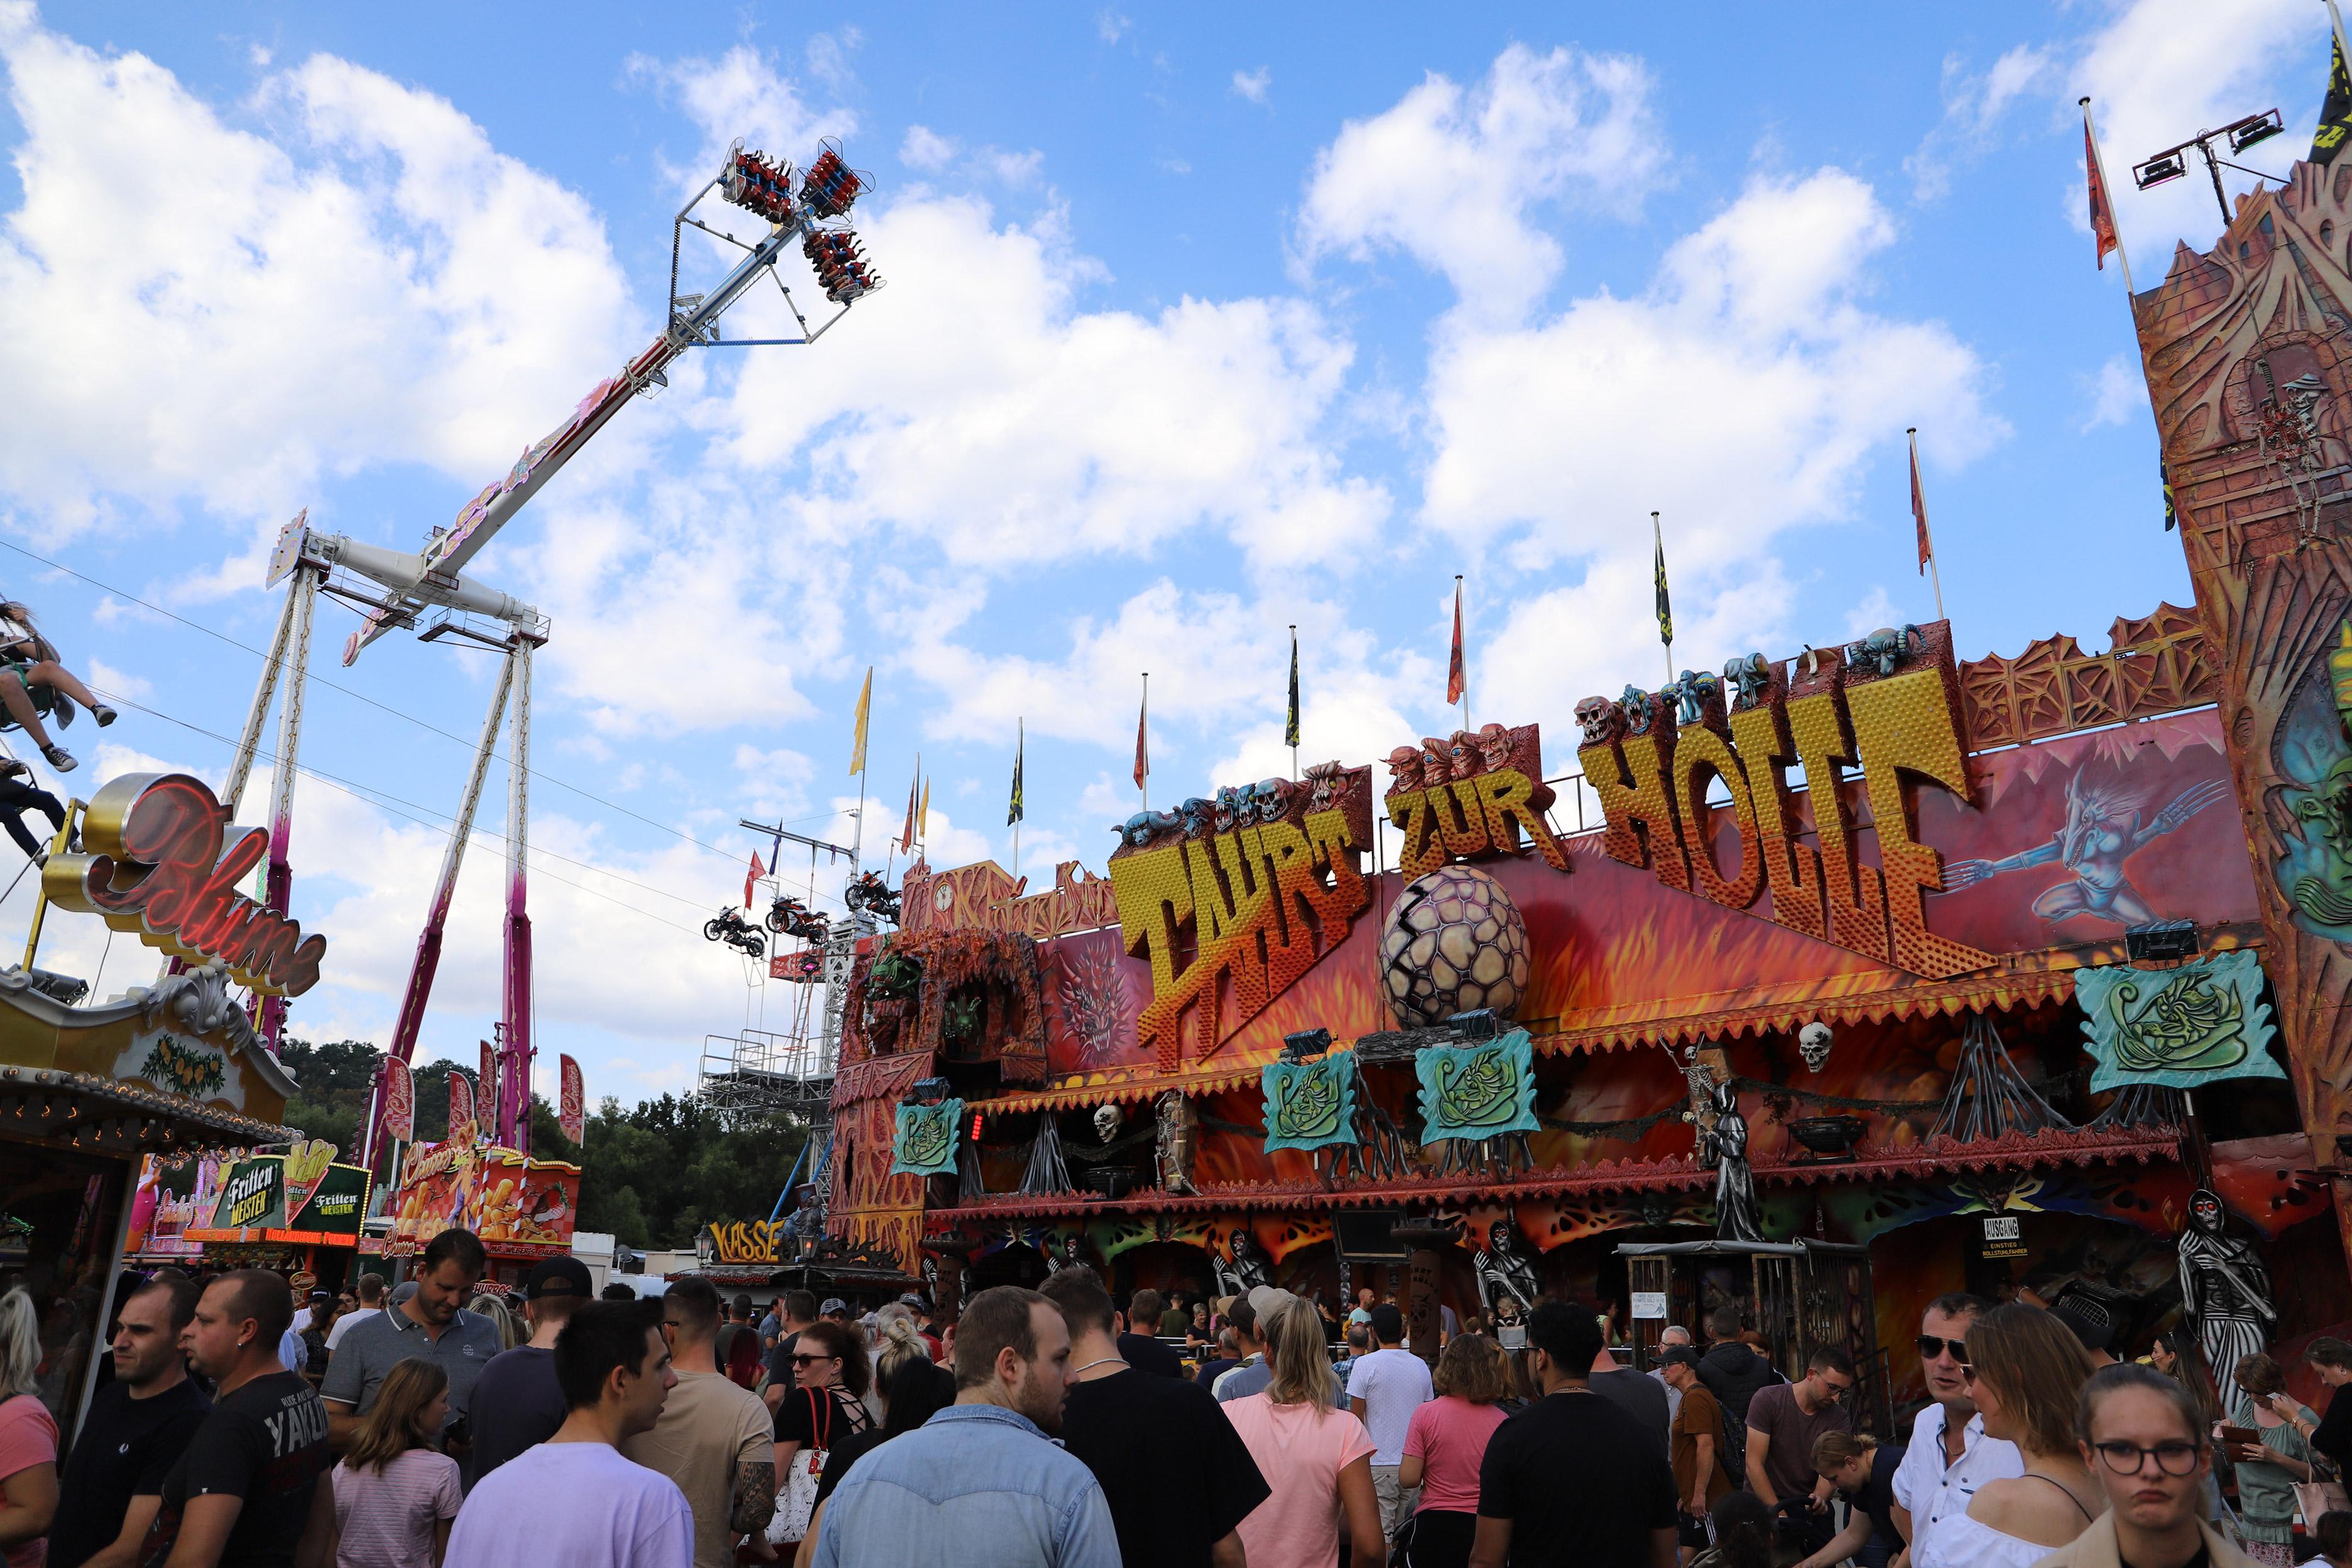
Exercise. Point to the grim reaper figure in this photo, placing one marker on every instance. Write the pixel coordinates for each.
(1248, 1270)
(1067, 1258)
(1737, 1218)
(1504, 1272)
(2226, 1291)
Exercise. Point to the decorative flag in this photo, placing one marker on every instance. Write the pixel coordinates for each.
(1458, 679)
(572, 1116)
(462, 1132)
(923, 815)
(399, 1101)
(1290, 731)
(1918, 506)
(907, 834)
(1477, 1091)
(926, 1139)
(1142, 722)
(2335, 110)
(486, 1092)
(2164, 477)
(2103, 216)
(1658, 571)
(2198, 1022)
(858, 741)
(1013, 813)
(751, 874)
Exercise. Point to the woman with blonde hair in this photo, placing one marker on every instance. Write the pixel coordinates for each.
(1444, 1445)
(395, 1493)
(28, 1437)
(510, 1330)
(1856, 1464)
(1319, 1459)
(2026, 1369)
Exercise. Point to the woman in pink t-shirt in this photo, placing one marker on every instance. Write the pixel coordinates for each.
(1445, 1445)
(28, 1438)
(1319, 1460)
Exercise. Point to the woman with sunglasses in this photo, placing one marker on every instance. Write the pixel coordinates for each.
(825, 1404)
(2139, 1432)
(2027, 1371)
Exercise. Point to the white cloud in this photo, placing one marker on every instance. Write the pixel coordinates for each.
(1253, 84)
(1452, 177)
(380, 285)
(1740, 396)
(927, 150)
(742, 93)
(1974, 107)
(2119, 393)
(980, 409)
(1110, 26)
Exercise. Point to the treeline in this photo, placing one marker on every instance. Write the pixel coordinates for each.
(652, 1175)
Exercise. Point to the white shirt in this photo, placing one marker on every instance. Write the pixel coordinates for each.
(292, 1354)
(581, 1504)
(1933, 1491)
(1392, 1383)
(335, 1334)
(1674, 1396)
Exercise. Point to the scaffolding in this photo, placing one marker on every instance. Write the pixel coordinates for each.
(759, 1073)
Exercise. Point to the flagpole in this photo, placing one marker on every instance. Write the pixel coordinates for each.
(2336, 22)
(1658, 543)
(2099, 167)
(1294, 701)
(1465, 656)
(1934, 573)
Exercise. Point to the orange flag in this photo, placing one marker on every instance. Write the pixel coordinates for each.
(1456, 677)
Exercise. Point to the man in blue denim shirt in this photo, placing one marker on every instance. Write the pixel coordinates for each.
(981, 1484)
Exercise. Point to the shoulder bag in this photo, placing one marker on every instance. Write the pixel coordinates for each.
(799, 1502)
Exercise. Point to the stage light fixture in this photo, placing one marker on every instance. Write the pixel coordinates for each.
(2254, 127)
(2156, 171)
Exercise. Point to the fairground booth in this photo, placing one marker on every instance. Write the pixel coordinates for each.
(173, 1069)
(1819, 984)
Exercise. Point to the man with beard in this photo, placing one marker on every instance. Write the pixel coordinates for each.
(137, 1428)
(981, 1484)
(1949, 1457)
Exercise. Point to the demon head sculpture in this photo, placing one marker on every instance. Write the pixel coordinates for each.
(1747, 677)
(1602, 721)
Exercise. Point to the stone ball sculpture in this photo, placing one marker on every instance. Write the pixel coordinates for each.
(1453, 943)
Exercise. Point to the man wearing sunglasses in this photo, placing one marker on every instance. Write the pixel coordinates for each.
(1949, 1457)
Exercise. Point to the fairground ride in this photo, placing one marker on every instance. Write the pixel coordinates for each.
(427, 590)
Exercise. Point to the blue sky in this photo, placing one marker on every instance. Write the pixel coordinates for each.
(1200, 322)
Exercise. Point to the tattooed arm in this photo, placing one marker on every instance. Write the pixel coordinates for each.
(755, 1497)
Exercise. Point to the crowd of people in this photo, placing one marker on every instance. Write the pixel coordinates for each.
(430, 1426)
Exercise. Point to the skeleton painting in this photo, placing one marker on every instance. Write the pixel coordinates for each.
(2226, 1292)
(1067, 1257)
(1504, 1272)
(2106, 826)
(1246, 1270)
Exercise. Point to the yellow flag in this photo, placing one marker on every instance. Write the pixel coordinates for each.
(857, 745)
(923, 813)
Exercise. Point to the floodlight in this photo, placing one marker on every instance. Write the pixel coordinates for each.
(2164, 166)
(2254, 127)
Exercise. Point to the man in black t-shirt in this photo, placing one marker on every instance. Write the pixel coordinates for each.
(797, 1308)
(1572, 1481)
(1143, 1351)
(137, 1428)
(1177, 1476)
(518, 1402)
(254, 1488)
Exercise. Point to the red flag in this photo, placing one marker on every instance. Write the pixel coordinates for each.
(2103, 218)
(399, 1101)
(462, 1129)
(1457, 678)
(1919, 508)
(573, 1114)
(1142, 756)
(752, 874)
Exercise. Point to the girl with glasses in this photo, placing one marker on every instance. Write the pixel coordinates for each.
(2140, 1434)
(2027, 1371)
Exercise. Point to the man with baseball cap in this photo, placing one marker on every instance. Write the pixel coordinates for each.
(518, 1402)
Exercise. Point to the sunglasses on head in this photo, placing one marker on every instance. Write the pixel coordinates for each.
(1930, 1347)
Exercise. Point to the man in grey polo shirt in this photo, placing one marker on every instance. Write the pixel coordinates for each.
(430, 1324)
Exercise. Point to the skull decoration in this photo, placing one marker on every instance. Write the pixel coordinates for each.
(1108, 1117)
(1323, 785)
(1195, 814)
(1697, 696)
(1886, 647)
(1638, 713)
(1140, 829)
(1747, 677)
(1601, 720)
(1493, 746)
(1229, 809)
(1813, 1043)
(1272, 799)
(1404, 768)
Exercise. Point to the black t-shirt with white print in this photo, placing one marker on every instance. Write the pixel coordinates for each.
(266, 1443)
